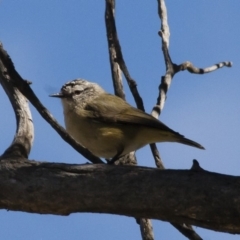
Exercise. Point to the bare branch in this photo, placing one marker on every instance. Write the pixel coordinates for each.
(23, 139)
(156, 156)
(187, 231)
(195, 198)
(167, 79)
(192, 69)
(172, 68)
(164, 32)
(115, 47)
(116, 73)
(117, 62)
(146, 224)
(25, 89)
(115, 69)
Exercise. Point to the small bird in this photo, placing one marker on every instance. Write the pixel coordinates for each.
(107, 125)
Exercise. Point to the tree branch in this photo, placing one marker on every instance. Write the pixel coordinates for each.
(111, 40)
(201, 198)
(165, 80)
(16, 81)
(192, 69)
(146, 229)
(23, 139)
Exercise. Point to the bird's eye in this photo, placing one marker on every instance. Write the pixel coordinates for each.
(77, 92)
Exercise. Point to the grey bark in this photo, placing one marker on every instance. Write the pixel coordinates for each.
(196, 197)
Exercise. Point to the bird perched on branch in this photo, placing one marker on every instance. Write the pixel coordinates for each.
(107, 125)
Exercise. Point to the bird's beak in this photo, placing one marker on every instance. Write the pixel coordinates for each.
(58, 95)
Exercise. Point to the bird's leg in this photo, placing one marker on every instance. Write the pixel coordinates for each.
(116, 157)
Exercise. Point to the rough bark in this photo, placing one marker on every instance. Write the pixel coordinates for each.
(195, 196)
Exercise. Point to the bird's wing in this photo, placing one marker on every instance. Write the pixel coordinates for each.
(112, 109)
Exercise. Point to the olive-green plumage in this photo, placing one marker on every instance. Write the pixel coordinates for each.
(107, 125)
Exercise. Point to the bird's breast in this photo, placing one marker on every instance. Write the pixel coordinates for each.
(103, 140)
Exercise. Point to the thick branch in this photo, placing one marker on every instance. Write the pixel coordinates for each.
(201, 198)
(23, 138)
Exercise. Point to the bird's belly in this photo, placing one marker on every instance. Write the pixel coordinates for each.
(108, 139)
(103, 140)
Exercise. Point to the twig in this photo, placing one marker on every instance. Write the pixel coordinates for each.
(25, 89)
(115, 50)
(187, 231)
(166, 80)
(116, 72)
(156, 156)
(115, 69)
(117, 63)
(146, 224)
(192, 69)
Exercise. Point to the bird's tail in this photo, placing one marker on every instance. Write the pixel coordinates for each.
(189, 142)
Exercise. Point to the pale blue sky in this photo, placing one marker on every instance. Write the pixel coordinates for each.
(52, 42)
